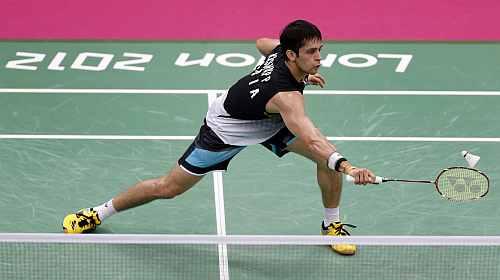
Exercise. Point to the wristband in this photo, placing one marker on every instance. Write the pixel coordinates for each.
(335, 160)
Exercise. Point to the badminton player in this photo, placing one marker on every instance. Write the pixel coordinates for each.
(264, 107)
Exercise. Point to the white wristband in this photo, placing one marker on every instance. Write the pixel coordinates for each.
(335, 160)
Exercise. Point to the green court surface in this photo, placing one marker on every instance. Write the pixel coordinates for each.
(42, 179)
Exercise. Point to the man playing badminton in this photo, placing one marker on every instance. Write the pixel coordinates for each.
(264, 107)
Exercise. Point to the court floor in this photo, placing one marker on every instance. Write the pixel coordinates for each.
(68, 143)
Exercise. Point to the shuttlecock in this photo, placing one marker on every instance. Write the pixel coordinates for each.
(471, 159)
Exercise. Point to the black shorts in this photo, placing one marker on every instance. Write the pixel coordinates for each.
(208, 152)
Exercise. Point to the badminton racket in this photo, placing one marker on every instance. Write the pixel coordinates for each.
(453, 183)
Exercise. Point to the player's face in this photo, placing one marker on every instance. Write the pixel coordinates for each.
(309, 59)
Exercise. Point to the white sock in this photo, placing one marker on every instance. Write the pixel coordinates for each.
(332, 215)
(105, 210)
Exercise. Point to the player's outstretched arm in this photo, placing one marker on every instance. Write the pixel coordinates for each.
(290, 105)
(266, 45)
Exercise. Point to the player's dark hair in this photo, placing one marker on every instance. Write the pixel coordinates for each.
(296, 34)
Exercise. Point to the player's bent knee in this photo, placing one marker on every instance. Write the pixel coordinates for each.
(325, 168)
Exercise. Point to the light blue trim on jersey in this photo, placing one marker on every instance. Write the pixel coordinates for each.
(203, 158)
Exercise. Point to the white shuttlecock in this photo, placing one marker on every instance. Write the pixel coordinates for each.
(471, 159)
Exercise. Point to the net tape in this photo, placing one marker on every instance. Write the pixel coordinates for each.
(250, 239)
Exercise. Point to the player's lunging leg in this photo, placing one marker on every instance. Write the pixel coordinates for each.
(175, 183)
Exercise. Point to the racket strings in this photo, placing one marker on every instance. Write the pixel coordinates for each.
(462, 183)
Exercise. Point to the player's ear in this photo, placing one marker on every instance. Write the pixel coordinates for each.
(291, 55)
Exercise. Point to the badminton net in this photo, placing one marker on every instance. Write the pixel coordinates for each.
(112, 256)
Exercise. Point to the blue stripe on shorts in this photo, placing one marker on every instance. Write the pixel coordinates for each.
(204, 158)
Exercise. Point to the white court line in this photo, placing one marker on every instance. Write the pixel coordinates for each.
(93, 137)
(404, 92)
(184, 138)
(221, 224)
(416, 139)
(91, 90)
(220, 213)
(215, 91)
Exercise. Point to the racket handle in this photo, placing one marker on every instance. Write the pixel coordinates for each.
(378, 179)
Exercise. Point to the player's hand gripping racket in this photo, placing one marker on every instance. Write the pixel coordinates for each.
(454, 183)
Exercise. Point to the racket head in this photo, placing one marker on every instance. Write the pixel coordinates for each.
(462, 183)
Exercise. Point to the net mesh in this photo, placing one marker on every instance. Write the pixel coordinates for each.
(251, 257)
(462, 184)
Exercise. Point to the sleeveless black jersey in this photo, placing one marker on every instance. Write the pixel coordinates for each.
(247, 98)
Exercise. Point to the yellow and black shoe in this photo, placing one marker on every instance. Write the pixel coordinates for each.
(337, 229)
(83, 221)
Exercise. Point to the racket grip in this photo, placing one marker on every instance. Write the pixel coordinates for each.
(350, 179)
